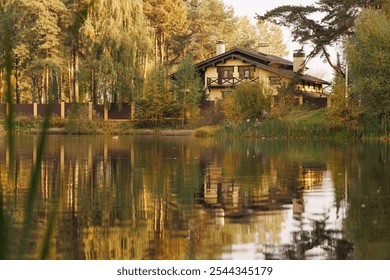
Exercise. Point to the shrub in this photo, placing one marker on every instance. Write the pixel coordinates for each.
(247, 101)
(206, 131)
(79, 123)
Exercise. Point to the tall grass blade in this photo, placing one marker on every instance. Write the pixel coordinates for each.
(34, 183)
(49, 232)
(3, 231)
(8, 61)
(45, 253)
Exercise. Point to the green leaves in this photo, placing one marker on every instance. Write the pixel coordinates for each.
(368, 53)
(187, 86)
(247, 101)
(336, 22)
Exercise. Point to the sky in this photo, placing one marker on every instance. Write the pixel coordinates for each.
(252, 7)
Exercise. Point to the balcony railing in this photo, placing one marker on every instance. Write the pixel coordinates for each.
(229, 82)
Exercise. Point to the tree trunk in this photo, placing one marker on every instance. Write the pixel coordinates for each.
(60, 87)
(132, 110)
(76, 73)
(155, 49)
(17, 91)
(70, 81)
(34, 88)
(55, 87)
(39, 88)
(94, 92)
(1, 86)
(47, 82)
(161, 46)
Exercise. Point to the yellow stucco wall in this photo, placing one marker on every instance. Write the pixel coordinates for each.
(211, 72)
(217, 92)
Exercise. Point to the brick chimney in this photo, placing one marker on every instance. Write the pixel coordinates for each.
(299, 58)
(220, 47)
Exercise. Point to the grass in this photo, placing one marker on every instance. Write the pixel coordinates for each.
(206, 131)
(296, 124)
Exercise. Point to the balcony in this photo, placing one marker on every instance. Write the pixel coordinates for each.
(229, 82)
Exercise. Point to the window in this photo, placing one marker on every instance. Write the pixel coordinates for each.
(246, 72)
(225, 72)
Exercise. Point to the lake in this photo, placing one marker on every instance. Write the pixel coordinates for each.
(156, 197)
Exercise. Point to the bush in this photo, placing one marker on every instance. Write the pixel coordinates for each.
(206, 131)
(247, 101)
(78, 122)
(26, 124)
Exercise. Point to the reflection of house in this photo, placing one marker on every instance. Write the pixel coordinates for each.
(226, 70)
(310, 177)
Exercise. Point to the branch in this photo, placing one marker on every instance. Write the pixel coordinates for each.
(337, 68)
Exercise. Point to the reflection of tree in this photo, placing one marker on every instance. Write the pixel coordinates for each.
(179, 198)
(368, 222)
(318, 242)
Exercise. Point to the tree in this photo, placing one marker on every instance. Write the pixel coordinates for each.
(116, 40)
(344, 113)
(247, 101)
(336, 24)
(245, 36)
(157, 101)
(210, 20)
(252, 36)
(368, 52)
(37, 48)
(6, 46)
(187, 85)
(169, 19)
(271, 35)
(77, 11)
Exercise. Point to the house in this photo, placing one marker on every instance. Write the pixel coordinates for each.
(227, 69)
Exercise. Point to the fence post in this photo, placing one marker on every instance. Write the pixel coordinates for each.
(90, 111)
(105, 111)
(300, 100)
(7, 109)
(62, 110)
(272, 101)
(35, 110)
(132, 110)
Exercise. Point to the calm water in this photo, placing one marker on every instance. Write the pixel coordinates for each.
(186, 198)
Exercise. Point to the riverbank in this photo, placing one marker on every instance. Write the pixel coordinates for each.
(26, 125)
(295, 125)
(299, 124)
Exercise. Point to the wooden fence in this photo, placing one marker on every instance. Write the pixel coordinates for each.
(62, 110)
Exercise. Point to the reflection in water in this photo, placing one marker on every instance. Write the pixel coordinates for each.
(185, 198)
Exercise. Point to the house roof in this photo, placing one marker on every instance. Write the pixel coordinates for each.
(270, 63)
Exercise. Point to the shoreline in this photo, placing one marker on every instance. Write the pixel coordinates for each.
(201, 132)
(145, 132)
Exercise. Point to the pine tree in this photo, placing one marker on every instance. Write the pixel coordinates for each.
(337, 23)
(169, 20)
(210, 20)
(37, 44)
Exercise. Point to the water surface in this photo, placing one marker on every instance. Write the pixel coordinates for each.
(130, 197)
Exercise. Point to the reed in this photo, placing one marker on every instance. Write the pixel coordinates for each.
(36, 170)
